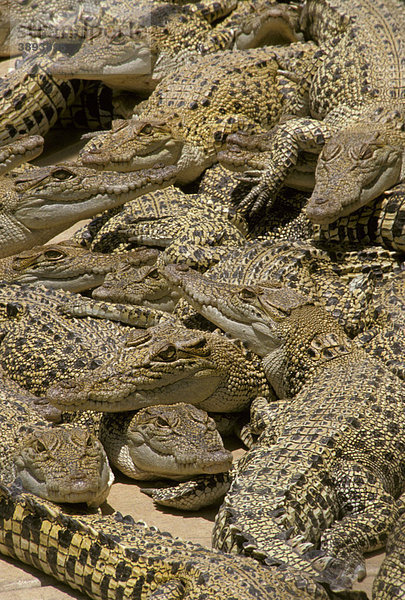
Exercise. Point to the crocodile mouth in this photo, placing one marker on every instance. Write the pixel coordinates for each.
(162, 153)
(114, 396)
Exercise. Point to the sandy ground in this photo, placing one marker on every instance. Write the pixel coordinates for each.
(23, 583)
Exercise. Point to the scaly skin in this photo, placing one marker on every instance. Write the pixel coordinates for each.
(127, 59)
(341, 281)
(175, 442)
(111, 556)
(70, 267)
(308, 494)
(385, 338)
(43, 201)
(141, 286)
(167, 34)
(160, 365)
(23, 149)
(186, 119)
(357, 127)
(389, 583)
(61, 464)
(190, 227)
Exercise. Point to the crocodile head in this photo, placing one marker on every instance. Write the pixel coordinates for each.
(134, 144)
(175, 442)
(244, 311)
(43, 201)
(161, 365)
(63, 465)
(355, 166)
(143, 285)
(117, 59)
(69, 266)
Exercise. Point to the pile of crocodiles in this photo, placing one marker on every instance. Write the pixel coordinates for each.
(240, 272)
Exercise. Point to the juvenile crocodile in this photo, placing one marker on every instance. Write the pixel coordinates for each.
(69, 266)
(186, 119)
(112, 556)
(163, 363)
(189, 227)
(340, 280)
(320, 486)
(125, 54)
(357, 110)
(176, 442)
(43, 201)
(160, 35)
(61, 464)
(381, 221)
(39, 345)
(389, 583)
(143, 285)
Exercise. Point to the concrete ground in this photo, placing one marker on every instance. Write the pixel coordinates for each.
(19, 582)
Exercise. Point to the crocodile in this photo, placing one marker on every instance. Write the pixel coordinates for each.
(177, 441)
(320, 486)
(143, 285)
(165, 36)
(71, 267)
(389, 583)
(189, 227)
(340, 280)
(356, 129)
(187, 117)
(41, 346)
(41, 202)
(126, 54)
(112, 556)
(58, 463)
(162, 362)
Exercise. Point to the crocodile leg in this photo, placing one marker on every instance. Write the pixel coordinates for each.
(369, 513)
(286, 140)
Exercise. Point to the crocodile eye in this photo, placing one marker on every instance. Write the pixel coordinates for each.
(330, 151)
(162, 422)
(365, 152)
(62, 174)
(39, 447)
(154, 274)
(147, 129)
(118, 39)
(168, 354)
(54, 254)
(247, 294)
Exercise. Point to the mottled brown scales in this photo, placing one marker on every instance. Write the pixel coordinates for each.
(186, 119)
(320, 487)
(189, 227)
(69, 266)
(389, 583)
(384, 340)
(111, 556)
(58, 463)
(39, 345)
(356, 107)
